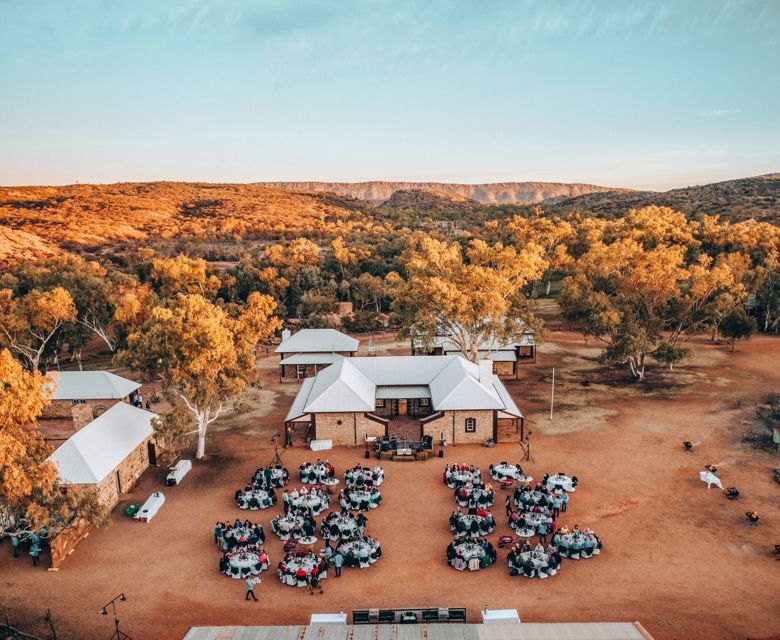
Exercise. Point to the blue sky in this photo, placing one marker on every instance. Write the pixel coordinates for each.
(616, 92)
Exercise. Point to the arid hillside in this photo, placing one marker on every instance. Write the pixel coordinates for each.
(39, 220)
(757, 197)
(417, 199)
(378, 191)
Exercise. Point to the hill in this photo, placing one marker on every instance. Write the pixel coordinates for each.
(37, 220)
(417, 199)
(379, 191)
(757, 197)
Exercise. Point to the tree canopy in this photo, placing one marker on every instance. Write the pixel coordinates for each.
(204, 353)
(474, 296)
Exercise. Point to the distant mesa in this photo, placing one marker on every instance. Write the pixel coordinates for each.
(378, 191)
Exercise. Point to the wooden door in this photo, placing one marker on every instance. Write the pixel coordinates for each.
(402, 409)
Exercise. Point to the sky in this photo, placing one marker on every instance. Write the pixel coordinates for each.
(642, 94)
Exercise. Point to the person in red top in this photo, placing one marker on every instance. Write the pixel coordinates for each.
(300, 574)
(481, 512)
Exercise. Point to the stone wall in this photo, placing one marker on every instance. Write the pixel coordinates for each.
(64, 408)
(453, 425)
(504, 369)
(352, 429)
(130, 469)
(82, 415)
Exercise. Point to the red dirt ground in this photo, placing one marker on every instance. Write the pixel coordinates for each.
(677, 557)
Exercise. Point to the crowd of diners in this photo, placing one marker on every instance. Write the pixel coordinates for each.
(476, 521)
(241, 544)
(260, 492)
(342, 524)
(271, 477)
(360, 475)
(313, 499)
(531, 511)
(317, 472)
(458, 474)
(360, 497)
(343, 531)
(469, 552)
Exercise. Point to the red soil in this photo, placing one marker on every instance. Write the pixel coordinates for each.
(677, 557)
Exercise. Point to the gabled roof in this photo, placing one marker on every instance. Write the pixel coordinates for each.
(89, 385)
(91, 454)
(341, 387)
(297, 410)
(458, 387)
(354, 384)
(312, 358)
(318, 341)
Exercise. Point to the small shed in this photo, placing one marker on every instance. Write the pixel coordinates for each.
(110, 453)
(83, 395)
(307, 352)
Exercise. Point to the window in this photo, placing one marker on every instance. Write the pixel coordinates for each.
(73, 402)
(471, 425)
(380, 404)
(300, 369)
(425, 402)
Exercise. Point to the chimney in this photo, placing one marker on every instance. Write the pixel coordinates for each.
(486, 372)
(286, 335)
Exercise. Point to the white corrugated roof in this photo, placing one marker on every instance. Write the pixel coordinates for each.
(523, 631)
(312, 358)
(341, 387)
(91, 454)
(89, 385)
(401, 392)
(296, 410)
(318, 341)
(352, 384)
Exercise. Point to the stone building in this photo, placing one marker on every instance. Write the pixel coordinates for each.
(84, 395)
(308, 351)
(444, 398)
(506, 357)
(110, 453)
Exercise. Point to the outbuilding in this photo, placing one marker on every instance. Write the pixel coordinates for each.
(307, 352)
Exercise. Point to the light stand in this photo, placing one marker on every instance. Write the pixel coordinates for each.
(118, 633)
(277, 459)
(526, 446)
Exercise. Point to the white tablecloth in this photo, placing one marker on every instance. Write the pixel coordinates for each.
(151, 507)
(328, 618)
(711, 479)
(500, 616)
(181, 469)
(319, 445)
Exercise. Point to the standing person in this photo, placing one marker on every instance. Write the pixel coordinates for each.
(556, 506)
(15, 545)
(314, 582)
(564, 501)
(35, 552)
(542, 531)
(218, 533)
(250, 591)
(508, 503)
(338, 560)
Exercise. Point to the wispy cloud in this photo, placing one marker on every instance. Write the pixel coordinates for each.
(717, 113)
